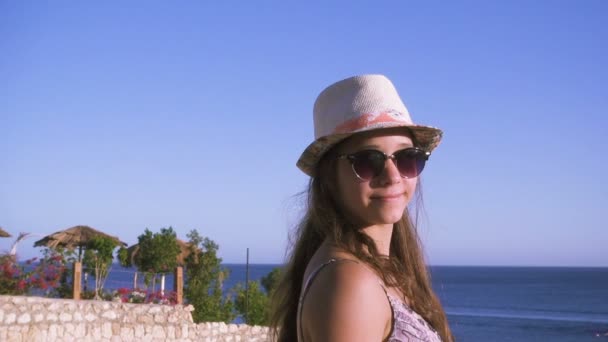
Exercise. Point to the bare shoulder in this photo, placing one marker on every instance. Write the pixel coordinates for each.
(345, 302)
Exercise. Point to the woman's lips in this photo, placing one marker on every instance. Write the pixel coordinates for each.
(387, 198)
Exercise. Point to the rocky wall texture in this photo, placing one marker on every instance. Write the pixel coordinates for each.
(45, 319)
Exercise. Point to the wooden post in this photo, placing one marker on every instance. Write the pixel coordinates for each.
(76, 282)
(178, 285)
(247, 287)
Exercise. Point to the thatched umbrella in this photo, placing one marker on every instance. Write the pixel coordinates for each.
(78, 236)
(4, 233)
(184, 252)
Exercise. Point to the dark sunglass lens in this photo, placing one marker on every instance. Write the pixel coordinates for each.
(368, 164)
(410, 162)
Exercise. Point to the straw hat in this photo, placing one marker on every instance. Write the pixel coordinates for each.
(360, 104)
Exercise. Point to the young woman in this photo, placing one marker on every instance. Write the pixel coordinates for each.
(356, 271)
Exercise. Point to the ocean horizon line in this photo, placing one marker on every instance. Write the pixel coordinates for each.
(116, 263)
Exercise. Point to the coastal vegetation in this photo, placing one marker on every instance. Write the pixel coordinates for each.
(98, 257)
(40, 276)
(205, 278)
(156, 255)
(253, 302)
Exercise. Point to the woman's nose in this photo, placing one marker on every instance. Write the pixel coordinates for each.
(390, 174)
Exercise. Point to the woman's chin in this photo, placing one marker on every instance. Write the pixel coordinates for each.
(389, 214)
(378, 215)
(388, 218)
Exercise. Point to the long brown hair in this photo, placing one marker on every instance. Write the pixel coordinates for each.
(404, 269)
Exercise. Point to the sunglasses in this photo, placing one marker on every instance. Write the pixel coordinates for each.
(368, 164)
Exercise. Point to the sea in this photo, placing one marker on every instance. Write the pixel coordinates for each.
(490, 303)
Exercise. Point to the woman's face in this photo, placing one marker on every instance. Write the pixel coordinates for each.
(382, 199)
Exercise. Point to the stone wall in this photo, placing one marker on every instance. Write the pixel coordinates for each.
(45, 319)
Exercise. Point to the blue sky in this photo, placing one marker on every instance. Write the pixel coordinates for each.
(126, 116)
